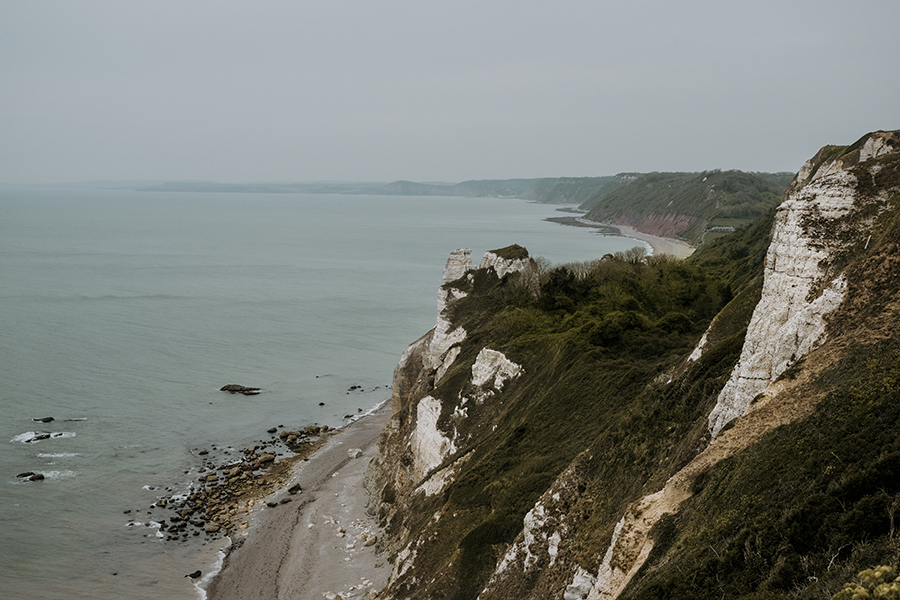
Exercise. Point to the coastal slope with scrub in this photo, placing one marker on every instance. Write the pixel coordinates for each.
(645, 427)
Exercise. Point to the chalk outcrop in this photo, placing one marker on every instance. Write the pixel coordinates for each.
(423, 448)
(800, 290)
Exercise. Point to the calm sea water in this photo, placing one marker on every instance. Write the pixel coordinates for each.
(122, 313)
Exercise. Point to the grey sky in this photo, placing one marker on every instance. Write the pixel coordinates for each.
(383, 90)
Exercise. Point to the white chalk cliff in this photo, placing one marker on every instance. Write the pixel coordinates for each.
(798, 291)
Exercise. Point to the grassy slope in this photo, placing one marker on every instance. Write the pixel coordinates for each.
(795, 515)
(816, 501)
(685, 204)
(590, 349)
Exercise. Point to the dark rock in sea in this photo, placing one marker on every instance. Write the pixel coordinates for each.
(272, 430)
(203, 452)
(321, 404)
(195, 574)
(234, 388)
(39, 436)
(43, 420)
(25, 474)
(36, 477)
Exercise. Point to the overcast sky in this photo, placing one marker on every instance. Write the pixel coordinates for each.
(436, 91)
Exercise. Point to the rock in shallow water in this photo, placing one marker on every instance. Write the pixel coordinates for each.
(234, 388)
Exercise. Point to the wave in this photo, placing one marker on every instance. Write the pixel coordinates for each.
(57, 454)
(49, 475)
(202, 584)
(30, 437)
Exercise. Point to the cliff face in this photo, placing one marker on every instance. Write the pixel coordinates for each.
(480, 500)
(414, 451)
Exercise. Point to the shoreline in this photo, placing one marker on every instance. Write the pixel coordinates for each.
(659, 245)
(322, 539)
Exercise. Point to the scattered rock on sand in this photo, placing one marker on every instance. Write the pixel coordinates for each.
(354, 452)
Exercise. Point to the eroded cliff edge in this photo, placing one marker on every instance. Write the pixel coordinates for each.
(646, 428)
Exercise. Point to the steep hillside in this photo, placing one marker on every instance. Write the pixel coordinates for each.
(687, 205)
(646, 428)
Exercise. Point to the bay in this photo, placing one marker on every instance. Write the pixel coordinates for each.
(123, 312)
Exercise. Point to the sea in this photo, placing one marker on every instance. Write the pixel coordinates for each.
(123, 312)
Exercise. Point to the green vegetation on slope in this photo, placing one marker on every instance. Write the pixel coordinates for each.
(685, 205)
(596, 345)
(795, 514)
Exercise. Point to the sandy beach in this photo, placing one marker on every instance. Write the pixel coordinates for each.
(316, 543)
(660, 245)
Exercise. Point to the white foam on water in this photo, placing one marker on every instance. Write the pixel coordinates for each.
(57, 454)
(30, 437)
(59, 474)
(204, 581)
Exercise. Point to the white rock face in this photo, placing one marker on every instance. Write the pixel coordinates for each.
(494, 369)
(502, 266)
(582, 583)
(430, 446)
(698, 350)
(445, 335)
(786, 323)
(442, 348)
(458, 264)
